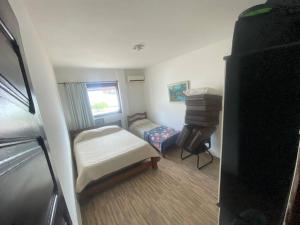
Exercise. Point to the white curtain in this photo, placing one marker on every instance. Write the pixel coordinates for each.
(77, 106)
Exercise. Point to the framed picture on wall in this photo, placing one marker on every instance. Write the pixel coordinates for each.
(176, 91)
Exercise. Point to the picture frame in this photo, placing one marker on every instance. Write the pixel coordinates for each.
(176, 91)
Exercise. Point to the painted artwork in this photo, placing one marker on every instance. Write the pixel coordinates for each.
(176, 91)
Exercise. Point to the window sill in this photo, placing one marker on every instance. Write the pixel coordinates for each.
(106, 114)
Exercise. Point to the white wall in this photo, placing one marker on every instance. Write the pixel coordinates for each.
(44, 84)
(203, 68)
(135, 92)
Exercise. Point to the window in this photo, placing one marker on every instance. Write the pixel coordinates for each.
(104, 98)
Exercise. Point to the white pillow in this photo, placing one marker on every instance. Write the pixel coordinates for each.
(201, 91)
(94, 133)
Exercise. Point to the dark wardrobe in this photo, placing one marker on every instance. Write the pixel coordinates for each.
(261, 115)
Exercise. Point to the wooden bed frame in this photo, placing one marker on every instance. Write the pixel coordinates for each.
(114, 178)
(135, 117)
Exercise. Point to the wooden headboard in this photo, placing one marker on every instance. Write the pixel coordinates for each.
(74, 133)
(135, 117)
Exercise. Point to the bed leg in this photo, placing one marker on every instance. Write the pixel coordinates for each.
(154, 161)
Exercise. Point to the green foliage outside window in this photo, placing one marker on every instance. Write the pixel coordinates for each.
(100, 106)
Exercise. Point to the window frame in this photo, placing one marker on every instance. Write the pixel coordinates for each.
(100, 84)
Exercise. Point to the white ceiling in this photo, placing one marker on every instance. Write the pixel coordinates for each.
(101, 33)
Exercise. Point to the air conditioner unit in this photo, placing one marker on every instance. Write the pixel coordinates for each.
(135, 78)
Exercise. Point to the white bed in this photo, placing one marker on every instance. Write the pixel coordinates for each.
(105, 150)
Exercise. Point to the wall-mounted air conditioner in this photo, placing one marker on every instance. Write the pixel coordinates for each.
(135, 78)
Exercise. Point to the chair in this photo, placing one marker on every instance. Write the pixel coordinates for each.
(195, 140)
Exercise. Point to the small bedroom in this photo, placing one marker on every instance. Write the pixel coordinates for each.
(149, 112)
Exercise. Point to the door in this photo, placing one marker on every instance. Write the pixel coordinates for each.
(29, 192)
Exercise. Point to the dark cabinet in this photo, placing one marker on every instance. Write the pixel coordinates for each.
(261, 123)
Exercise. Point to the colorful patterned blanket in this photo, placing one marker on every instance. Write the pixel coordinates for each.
(161, 137)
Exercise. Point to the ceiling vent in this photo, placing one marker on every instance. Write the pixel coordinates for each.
(135, 78)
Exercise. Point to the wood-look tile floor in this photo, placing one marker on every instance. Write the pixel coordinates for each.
(175, 194)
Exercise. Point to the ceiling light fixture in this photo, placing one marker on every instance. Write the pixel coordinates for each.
(139, 47)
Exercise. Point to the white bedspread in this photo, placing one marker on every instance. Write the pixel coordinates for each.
(139, 127)
(105, 150)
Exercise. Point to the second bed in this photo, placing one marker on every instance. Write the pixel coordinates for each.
(160, 137)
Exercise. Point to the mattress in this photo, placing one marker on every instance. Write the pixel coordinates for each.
(105, 150)
(204, 102)
(161, 137)
(141, 126)
(201, 123)
(208, 118)
(207, 114)
(200, 91)
(204, 108)
(206, 97)
(200, 102)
